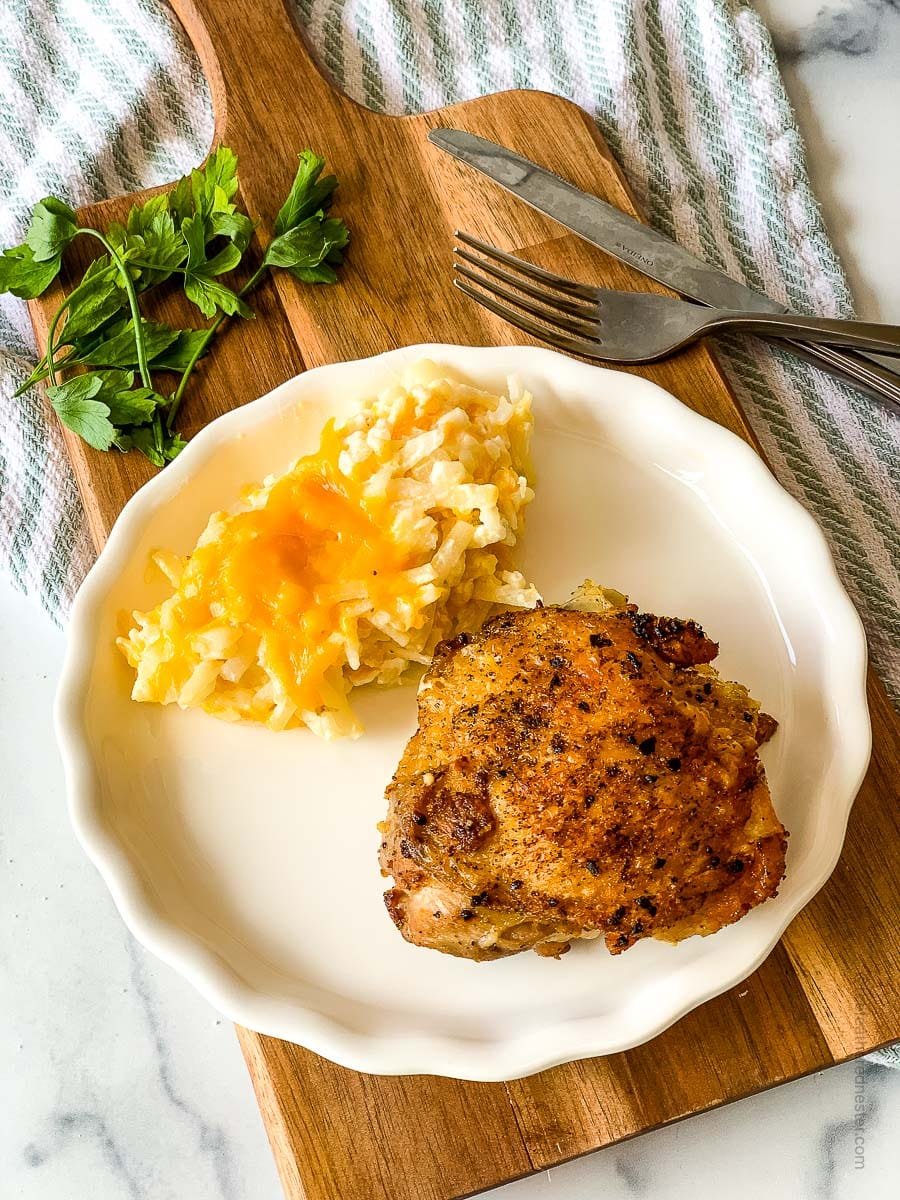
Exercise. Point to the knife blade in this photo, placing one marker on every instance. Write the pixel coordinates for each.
(601, 224)
(650, 252)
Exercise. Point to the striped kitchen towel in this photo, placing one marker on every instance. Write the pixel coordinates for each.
(103, 96)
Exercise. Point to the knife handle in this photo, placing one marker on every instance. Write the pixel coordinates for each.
(850, 335)
(879, 383)
(877, 380)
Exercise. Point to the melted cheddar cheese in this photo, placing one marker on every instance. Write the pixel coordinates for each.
(348, 568)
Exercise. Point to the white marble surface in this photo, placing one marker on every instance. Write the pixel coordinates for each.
(840, 60)
(118, 1081)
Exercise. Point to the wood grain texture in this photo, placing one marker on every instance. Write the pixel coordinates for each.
(830, 990)
(845, 945)
(756, 1035)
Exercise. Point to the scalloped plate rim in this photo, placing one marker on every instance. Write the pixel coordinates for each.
(216, 981)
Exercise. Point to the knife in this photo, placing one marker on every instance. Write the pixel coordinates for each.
(650, 252)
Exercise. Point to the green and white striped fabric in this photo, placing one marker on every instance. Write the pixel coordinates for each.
(102, 96)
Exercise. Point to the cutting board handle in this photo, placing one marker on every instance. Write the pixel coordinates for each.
(258, 66)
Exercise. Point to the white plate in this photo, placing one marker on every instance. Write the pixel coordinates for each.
(247, 859)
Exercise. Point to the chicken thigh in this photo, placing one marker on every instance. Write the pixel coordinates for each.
(579, 774)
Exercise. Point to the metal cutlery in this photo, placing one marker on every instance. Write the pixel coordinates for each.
(650, 252)
(628, 327)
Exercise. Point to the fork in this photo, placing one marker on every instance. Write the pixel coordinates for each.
(629, 327)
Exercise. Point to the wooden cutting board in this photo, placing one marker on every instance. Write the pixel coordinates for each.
(831, 989)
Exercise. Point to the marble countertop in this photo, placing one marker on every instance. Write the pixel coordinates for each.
(118, 1080)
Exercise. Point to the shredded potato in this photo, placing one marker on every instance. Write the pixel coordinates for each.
(351, 567)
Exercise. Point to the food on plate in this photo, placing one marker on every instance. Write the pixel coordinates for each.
(579, 772)
(352, 566)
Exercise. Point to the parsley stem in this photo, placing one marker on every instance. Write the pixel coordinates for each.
(140, 347)
(51, 339)
(175, 402)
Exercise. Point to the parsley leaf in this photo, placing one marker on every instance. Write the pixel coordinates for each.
(95, 404)
(76, 408)
(220, 170)
(181, 201)
(179, 355)
(142, 438)
(117, 348)
(151, 232)
(215, 183)
(133, 406)
(234, 226)
(321, 273)
(79, 387)
(200, 285)
(173, 446)
(308, 193)
(97, 298)
(300, 250)
(210, 295)
(53, 225)
(23, 275)
(112, 380)
(140, 216)
(207, 192)
(127, 404)
(159, 451)
(194, 234)
(223, 262)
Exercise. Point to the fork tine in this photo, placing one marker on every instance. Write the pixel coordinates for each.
(581, 290)
(541, 332)
(575, 309)
(550, 315)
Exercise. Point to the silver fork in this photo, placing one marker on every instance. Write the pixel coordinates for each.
(629, 327)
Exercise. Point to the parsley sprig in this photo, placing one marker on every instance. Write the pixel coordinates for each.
(191, 237)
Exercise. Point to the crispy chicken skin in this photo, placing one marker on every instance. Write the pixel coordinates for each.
(578, 775)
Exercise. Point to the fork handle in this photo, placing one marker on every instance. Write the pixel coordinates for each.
(857, 335)
(871, 376)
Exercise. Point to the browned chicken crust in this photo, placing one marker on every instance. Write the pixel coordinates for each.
(579, 775)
